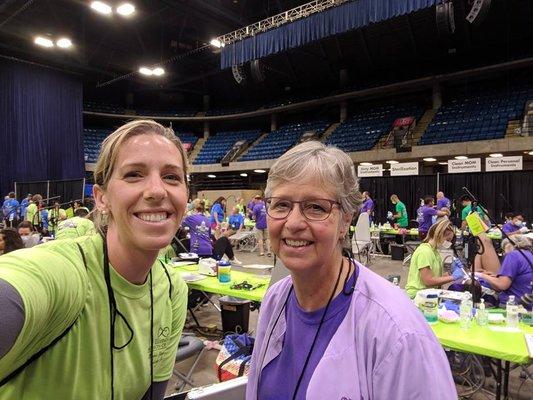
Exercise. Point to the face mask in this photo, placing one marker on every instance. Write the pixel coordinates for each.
(446, 244)
(518, 223)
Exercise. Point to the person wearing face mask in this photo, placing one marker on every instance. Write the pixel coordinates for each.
(426, 269)
(101, 313)
(515, 226)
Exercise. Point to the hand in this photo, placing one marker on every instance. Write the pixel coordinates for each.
(523, 229)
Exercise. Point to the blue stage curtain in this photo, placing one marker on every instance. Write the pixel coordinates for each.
(346, 17)
(41, 125)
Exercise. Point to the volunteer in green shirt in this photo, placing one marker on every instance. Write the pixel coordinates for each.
(401, 212)
(466, 202)
(122, 309)
(32, 212)
(76, 226)
(426, 269)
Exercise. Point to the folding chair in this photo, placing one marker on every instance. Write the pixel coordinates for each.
(189, 346)
(361, 240)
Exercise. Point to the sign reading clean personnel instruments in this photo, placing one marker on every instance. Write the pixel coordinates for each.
(408, 168)
(468, 165)
(511, 163)
(370, 170)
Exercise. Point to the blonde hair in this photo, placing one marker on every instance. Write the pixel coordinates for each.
(394, 198)
(437, 231)
(111, 147)
(329, 165)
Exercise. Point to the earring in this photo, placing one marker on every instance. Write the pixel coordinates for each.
(104, 212)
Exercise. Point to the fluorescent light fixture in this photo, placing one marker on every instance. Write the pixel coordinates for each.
(42, 41)
(158, 71)
(146, 71)
(216, 43)
(429, 159)
(530, 153)
(392, 162)
(443, 163)
(461, 157)
(366, 163)
(126, 9)
(101, 7)
(496, 155)
(64, 43)
(259, 171)
(211, 176)
(244, 174)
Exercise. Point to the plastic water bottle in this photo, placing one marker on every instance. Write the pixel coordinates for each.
(431, 308)
(465, 311)
(512, 313)
(481, 314)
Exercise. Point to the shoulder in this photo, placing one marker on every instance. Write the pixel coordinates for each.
(275, 294)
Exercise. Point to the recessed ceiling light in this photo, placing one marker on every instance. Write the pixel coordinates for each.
(64, 43)
(443, 163)
(216, 43)
(158, 71)
(126, 9)
(429, 159)
(146, 71)
(496, 155)
(391, 162)
(244, 174)
(259, 171)
(366, 163)
(42, 41)
(211, 176)
(101, 7)
(461, 157)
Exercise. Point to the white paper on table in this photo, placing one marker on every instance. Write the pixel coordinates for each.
(504, 329)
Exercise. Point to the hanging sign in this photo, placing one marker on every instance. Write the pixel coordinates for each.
(511, 163)
(409, 168)
(468, 165)
(370, 170)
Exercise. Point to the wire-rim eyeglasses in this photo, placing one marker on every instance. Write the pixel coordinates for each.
(312, 209)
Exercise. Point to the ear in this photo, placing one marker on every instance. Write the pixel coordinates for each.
(345, 224)
(100, 198)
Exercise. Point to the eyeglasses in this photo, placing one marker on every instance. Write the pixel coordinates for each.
(312, 209)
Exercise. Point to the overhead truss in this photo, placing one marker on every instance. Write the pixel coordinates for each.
(276, 21)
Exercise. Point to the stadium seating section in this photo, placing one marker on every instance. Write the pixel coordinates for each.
(217, 146)
(481, 115)
(102, 107)
(278, 142)
(364, 128)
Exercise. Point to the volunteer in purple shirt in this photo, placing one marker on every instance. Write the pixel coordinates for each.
(515, 226)
(368, 205)
(333, 329)
(260, 217)
(443, 201)
(425, 216)
(515, 275)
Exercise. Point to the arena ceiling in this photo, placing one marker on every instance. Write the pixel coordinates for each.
(108, 49)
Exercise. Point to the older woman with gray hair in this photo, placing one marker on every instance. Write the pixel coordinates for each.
(333, 329)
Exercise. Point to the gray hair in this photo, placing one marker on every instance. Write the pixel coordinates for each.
(314, 160)
(521, 242)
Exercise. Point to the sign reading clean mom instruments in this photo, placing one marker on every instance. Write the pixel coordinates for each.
(469, 165)
(503, 163)
(370, 170)
(408, 168)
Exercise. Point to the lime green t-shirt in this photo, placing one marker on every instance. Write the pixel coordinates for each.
(468, 209)
(31, 211)
(56, 289)
(424, 256)
(74, 227)
(403, 221)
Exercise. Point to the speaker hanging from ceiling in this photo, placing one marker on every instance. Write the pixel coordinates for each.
(257, 70)
(478, 12)
(239, 74)
(445, 19)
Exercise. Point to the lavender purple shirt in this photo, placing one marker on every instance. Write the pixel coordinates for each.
(516, 267)
(259, 215)
(509, 227)
(426, 218)
(382, 349)
(200, 234)
(368, 206)
(443, 203)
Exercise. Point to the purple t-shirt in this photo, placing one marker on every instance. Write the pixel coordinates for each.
(516, 267)
(443, 203)
(280, 376)
(259, 215)
(368, 206)
(200, 234)
(509, 227)
(427, 214)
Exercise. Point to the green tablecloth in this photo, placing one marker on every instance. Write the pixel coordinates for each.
(212, 285)
(483, 340)
(249, 223)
